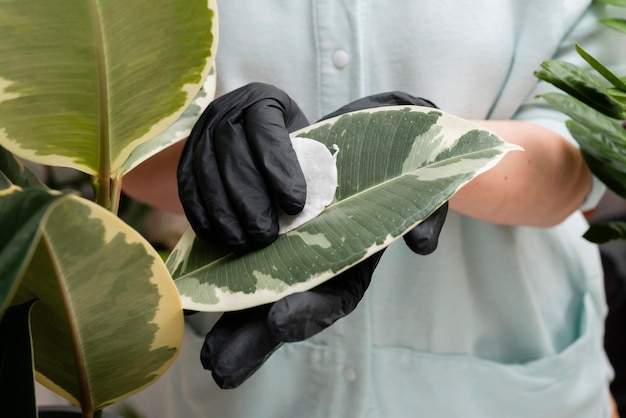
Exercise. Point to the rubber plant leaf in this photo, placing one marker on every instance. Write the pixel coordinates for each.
(21, 214)
(396, 165)
(107, 321)
(16, 172)
(178, 131)
(84, 82)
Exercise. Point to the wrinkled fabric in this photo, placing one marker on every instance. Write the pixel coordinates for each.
(498, 321)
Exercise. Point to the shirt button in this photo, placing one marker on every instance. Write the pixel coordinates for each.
(340, 58)
(349, 374)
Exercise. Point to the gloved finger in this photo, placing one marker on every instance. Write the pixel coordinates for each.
(219, 212)
(239, 343)
(299, 316)
(194, 184)
(424, 238)
(267, 133)
(189, 191)
(257, 162)
(242, 209)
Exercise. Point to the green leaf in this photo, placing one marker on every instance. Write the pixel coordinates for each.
(396, 166)
(618, 95)
(83, 83)
(619, 3)
(605, 232)
(17, 386)
(108, 319)
(16, 172)
(581, 84)
(605, 72)
(615, 24)
(21, 214)
(605, 155)
(602, 140)
(587, 116)
(177, 131)
(5, 183)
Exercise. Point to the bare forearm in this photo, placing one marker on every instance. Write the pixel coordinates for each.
(538, 187)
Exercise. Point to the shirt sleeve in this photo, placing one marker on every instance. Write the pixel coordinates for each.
(608, 47)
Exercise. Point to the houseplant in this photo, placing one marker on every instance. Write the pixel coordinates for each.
(87, 305)
(596, 103)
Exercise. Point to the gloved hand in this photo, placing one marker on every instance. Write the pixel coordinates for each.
(240, 342)
(229, 177)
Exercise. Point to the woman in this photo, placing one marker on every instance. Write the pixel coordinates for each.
(505, 318)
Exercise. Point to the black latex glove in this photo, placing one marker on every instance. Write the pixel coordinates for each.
(240, 342)
(230, 180)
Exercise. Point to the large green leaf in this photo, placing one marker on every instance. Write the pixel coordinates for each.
(178, 131)
(84, 82)
(396, 166)
(108, 319)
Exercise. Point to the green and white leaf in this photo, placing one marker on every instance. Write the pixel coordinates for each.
(178, 131)
(396, 165)
(107, 320)
(83, 83)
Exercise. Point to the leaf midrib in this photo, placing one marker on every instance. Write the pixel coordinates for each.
(104, 157)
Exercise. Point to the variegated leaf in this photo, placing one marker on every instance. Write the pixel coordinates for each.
(107, 320)
(83, 83)
(396, 165)
(178, 131)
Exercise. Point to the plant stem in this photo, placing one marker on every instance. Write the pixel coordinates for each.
(103, 195)
(97, 413)
(115, 193)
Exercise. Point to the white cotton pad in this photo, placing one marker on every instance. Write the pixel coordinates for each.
(319, 166)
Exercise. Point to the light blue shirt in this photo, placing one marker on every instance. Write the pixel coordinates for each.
(499, 321)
